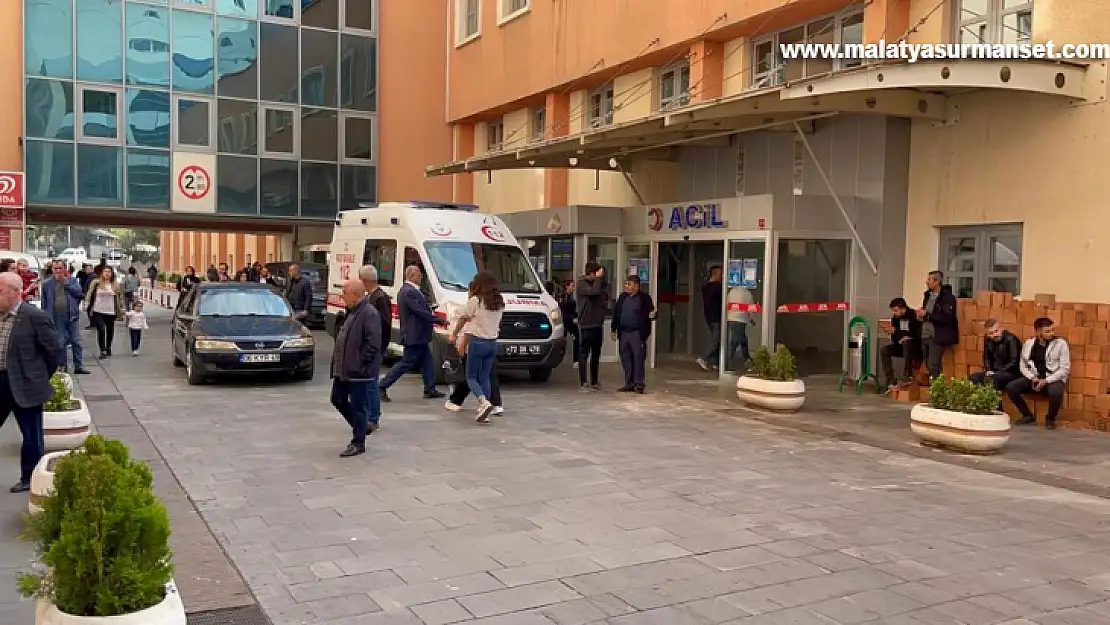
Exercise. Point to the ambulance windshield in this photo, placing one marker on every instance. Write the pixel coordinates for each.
(455, 264)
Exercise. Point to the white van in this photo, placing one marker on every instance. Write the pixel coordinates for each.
(451, 243)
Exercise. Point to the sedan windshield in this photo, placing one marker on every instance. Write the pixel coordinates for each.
(243, 303)
(456, 263)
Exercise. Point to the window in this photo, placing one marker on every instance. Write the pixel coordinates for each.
(982, 258)
(238, 303)
(48, 38)
(600, 112)
(279, 59)
(148, 179)
(279, 189)
(359, 185)
(237, 185)
(238, 127)
(511, 9)
(357, 138)
(994, 21)
(495, 136)
(194, 125)
(99, 114)
(769, 68)
(539, 124)
(282, 9)
(674, 86)
(412, 257)
(468, 19)
(99, 175)
(456, 263)
(382, 254)
(49, 112)
(279, 131)
(99, 41)
(237, 58)
(319, 134)
(358, 14)
(193, 44)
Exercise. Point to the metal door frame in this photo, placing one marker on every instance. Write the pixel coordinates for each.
(770, 254)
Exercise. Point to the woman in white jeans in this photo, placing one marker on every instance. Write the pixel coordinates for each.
(480, 322)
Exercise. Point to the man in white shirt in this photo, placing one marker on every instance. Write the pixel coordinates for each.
(739, 319)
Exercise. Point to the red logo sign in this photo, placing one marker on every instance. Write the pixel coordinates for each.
(11, 217)
(441, 230)
(493, 234)
(11, 190)
(655, 219)
(762, 224)
(193, 182)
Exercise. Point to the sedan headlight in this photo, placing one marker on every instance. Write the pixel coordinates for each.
(556, 317)
(208, 344)
(304, 341)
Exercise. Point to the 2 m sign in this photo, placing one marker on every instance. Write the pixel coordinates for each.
(193, 182)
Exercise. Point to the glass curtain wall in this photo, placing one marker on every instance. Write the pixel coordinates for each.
(283, 92)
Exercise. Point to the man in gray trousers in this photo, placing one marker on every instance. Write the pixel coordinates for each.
(631, 327)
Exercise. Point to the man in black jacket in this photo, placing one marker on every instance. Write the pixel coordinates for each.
(940, 327)
(905, 342)
(355, 365)
(379, 299)
(1001, 356)
(590, 295)
(631, 328)
(299, 293)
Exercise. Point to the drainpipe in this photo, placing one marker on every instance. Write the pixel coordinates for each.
(836, 200)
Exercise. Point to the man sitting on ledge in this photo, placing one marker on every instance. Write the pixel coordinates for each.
(1001, 355)
(1045, 364)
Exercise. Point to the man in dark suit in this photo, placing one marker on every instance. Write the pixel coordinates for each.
(355, 365)
(631, 327)
(418, 323)
(30, 352)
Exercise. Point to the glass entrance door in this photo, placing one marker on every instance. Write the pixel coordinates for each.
(811, 293)
(744, 314)
(672, 338)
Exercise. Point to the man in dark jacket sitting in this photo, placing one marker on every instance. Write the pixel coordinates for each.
(355, 365)
(631, 327)
(940, 326)
(905, 343)
(1001, 356)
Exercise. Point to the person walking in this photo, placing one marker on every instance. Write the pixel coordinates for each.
(130, 287)
(418, 323)
(213, 274)
(298, 292)
(152, 275)
(30, 352)
(631, 328)
(590, 295)
(461, 389)
(136, 323)
(355, 365)
(379, 300)
(569, 310)
(480, 324)
(62, 296)
(188, 281)
(712, 301)
(104, 303)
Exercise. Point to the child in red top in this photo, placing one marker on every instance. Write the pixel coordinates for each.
(30, 280)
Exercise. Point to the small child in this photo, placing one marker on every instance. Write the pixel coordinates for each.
(136, 323)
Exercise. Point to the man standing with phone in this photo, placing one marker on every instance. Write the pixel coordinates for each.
(590, 296)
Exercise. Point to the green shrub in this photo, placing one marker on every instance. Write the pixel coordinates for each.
(161, 276)
(103, 536)
(778, 366)
(963, 396)
(62, 400)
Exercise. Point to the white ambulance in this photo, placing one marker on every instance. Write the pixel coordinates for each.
(450, 243)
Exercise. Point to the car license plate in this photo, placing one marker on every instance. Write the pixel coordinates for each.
(521, 350)
(259, 358)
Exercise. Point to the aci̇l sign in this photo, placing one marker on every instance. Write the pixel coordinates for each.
(687, 217)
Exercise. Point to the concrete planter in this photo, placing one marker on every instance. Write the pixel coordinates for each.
(957, 431)
(771, 394)
(170, 612)
(67, 430)
(42, 480)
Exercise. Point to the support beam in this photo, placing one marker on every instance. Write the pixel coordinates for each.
(632, 184)
(796, 100)
(836, 199)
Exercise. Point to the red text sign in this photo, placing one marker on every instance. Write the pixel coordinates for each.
(12, 190)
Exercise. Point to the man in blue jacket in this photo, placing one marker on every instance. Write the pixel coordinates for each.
(631, 328)
(61, 299)
(418, 323)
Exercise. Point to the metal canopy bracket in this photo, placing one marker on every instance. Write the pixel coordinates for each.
(836, 200)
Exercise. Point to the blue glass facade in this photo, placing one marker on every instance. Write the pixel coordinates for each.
(281, 93)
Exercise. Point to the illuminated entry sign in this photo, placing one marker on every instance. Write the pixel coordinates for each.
(687, 217)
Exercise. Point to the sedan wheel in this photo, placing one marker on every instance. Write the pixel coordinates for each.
(191, 374)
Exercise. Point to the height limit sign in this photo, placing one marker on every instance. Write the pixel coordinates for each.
(193, 182)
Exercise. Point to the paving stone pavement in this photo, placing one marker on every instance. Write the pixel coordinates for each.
(584, 509)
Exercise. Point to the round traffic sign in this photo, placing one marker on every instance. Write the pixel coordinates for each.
(193, 182)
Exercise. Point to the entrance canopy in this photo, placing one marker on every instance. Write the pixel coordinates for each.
(912, 90)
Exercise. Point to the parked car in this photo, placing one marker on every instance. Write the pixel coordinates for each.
(113, 257)
(74, 256)
(317, 276)
(239, 327)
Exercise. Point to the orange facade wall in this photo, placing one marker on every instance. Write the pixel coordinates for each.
(412, 73)
(11, 85)
(200, 249)
(587, 42)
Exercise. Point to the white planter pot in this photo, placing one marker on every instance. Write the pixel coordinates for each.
(771, 394)
(42, 480)
(980, 434)
(170, 612)
(67, 430)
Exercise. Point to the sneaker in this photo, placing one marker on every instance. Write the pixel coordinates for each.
(498, 411)
(575, 365)
(594, 388)
(383, 395)
(352, 450)
(373, 427)
(484, 410)
(134, 352)
(452, 407)
(625, 389)
(585, 388)
(639, 390)
(701, 363)
(433, 395)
